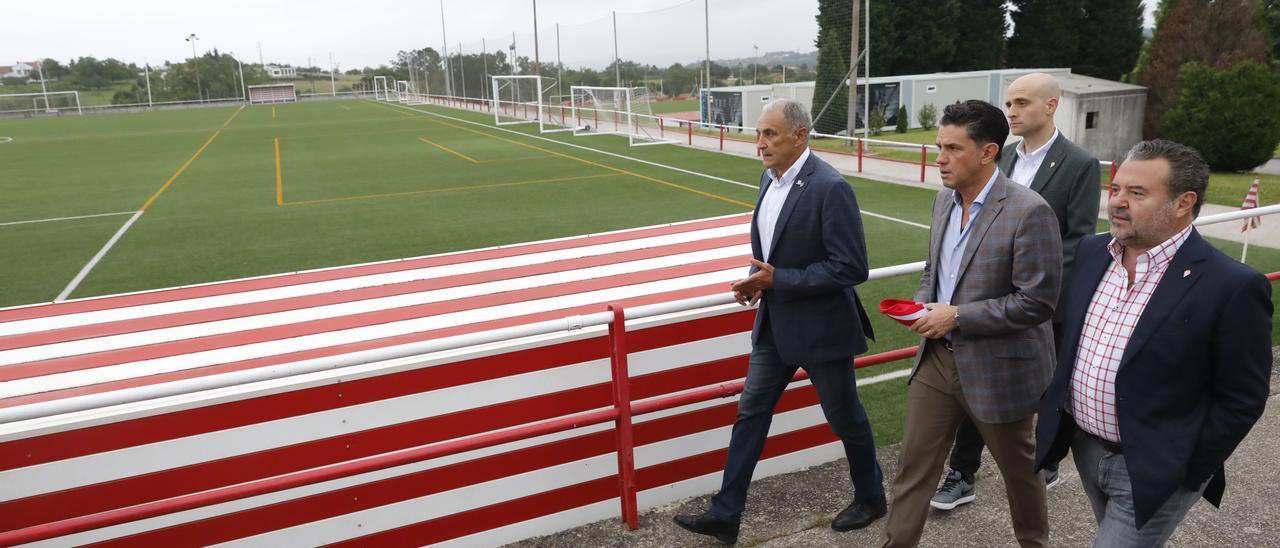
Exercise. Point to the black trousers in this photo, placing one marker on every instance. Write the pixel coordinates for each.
(966, 456)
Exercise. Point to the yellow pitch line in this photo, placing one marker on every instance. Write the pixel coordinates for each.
(233, 117)
(454, 189)
(180, 170)
(449, 150)
(597, 164)
(279, 179)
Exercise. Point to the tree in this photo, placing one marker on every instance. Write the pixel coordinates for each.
(53, 70)
(927, 36)
(928, 116)
(1271, 17)
(982, 44)
(875, 121)
(1230, 115)
(1120, 22)
(1218, 34)
(1046, 33)
(902, 119)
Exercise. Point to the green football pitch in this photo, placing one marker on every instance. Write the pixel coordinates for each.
(229, 193)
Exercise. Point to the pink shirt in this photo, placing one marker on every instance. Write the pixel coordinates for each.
(1114, 312)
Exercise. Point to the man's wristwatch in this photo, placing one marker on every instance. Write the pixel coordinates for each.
(956, 318)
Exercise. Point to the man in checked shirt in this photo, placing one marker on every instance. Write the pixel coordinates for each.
(1166, 357)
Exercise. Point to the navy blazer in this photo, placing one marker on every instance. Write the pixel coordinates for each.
(1192, 381)
(818, 254)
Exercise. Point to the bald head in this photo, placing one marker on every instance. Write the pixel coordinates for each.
(1030, 103)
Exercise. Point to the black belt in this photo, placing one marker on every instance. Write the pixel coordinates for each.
(1110, 446)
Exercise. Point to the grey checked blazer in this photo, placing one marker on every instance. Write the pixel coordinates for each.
(1069, 179)
(1006, 291)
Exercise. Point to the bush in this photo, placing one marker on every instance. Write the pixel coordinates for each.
(902, 120)
(1230, 116)
(875, 122)
(928, 116)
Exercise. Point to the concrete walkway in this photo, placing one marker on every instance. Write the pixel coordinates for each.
(794, 510)
(908, 174)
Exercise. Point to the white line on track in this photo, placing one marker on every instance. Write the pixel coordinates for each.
(68, 218)
(625, 157)
(94, 262)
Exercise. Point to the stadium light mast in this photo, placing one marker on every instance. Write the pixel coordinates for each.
(43, 89)
(333, 82)
(853, 75)
(146, 71)
(706, 19)
(537, 62)
(448, 70)
(195, 62)
(866, 82)
(755, 65)
(244, 91)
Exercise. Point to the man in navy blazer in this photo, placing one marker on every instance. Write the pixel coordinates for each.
(1166, 356)
(810, 252)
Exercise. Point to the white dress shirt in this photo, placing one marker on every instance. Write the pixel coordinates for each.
(1024, 170)
(771, 205)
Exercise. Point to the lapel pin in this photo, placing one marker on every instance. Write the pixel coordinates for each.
(1051, 164)
(1186, 273)
(800, 184)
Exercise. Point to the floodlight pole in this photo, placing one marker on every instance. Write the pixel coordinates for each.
(706, 18)
(866, 82)
(448, 71)
(617, 64)
(244, 91)
(537, 62)
(462, 67)
(484, 61)
(333, 82)
(755, 65)
(43, 89)
(146, 71)
(853, 75)
(195, 62)
(559, 67)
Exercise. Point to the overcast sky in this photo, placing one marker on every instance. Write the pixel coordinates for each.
(360, 34)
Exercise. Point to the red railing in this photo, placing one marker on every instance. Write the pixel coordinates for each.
(621, 414)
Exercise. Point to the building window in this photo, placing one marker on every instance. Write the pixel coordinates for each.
(1090, 120)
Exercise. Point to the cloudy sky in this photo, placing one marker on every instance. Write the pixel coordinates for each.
(362, 34)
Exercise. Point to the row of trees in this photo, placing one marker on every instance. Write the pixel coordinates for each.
(1209, 68)
(468, 74)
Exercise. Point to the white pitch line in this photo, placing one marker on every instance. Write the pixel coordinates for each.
(634, 159)
(67, 218)
(904, 372)
(94, 262)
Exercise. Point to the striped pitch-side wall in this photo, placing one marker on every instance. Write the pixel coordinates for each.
(80, 463)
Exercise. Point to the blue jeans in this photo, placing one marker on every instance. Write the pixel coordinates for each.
(767, 378)
(1106, 482)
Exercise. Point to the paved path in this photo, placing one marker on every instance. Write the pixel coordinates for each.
(794, 510)
(904, 173)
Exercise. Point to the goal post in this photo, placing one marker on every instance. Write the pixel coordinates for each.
(30, 104)
(381, 91)
(522, 99)
(621, 111)
(272, 93)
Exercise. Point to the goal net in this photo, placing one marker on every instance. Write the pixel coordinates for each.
(526, 99)
(33, 104)
(381, 92)
(617, 111)
(272, 93)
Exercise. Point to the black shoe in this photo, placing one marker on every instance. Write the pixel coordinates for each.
(725, 530)
(858, 515)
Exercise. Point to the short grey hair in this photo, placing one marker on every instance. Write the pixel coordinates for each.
(1188, 172)
(795, 113)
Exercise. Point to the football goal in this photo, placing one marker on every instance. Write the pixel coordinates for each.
(31, 104)
(272, 93)
(380, 90)
(616, 111)
(522, 100)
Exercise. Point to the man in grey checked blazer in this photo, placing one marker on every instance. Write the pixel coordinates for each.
(990, 283)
